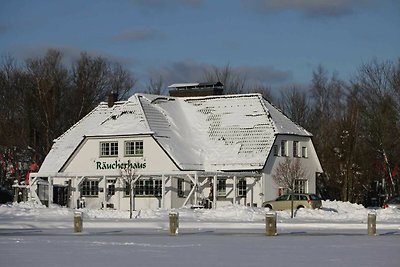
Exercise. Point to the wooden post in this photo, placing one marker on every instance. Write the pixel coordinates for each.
(234, 190)
(270, 224)
(215, 193)
(16, 193)
(372, 223)
(173, 223)
(162, 191)
(78, 222)
(50, 200)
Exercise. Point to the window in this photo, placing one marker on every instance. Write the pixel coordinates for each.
(304, 152)
(157, 187)
(180, 188)
(241, 188)
(127, 191)
(90, 188)
(296, 149)
(110, 187)
(276, 150)
(108, 149)
(221, 187)
(284, 148)
(134, 148)
(148, 187)
(300, 186)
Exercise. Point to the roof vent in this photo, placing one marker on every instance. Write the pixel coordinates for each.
(195, 89)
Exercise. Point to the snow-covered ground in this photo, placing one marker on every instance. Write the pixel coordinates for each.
(34, 235)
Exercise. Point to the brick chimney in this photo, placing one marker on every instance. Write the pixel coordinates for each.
(112, 98)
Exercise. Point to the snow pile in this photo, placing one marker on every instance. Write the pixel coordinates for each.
(28, 209)
(104, 214)
(331, 211)
(231, 213)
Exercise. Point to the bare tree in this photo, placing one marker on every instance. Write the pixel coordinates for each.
(129, 176)
(93, 78)
(376, 82)
(233, 82)
(14, 129)
(120, 80)
(295, 104)
(49, 82)
(286, 174)
(265, 91)
(156, 86)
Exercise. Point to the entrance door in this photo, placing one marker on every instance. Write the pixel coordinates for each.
(60, 195)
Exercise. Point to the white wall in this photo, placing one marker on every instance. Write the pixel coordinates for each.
(88, 154)
(85, 159)
(310, 164)
(86, 162)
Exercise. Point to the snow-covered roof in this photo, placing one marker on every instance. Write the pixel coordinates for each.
(124, 118)
(212, 133)
(176, 85)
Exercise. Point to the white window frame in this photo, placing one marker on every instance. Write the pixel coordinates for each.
(221, 187)
(90, 188)
(147, 187)
(134, 148)
(109, 149)
(296, 148)
(241, 187)
(111, 187)
(300, 186)
(304, 152)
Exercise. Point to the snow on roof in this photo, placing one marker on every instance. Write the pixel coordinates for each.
(121, 119)
(283, 125)
(177, 85)
(212, 133)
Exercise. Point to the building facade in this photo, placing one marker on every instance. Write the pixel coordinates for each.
(169, 152)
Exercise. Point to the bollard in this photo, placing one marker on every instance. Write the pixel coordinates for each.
(78, 222)
(173, 223)
(270, 224)
(372, 223)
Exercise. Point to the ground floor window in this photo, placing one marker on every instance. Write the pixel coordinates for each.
(241, 188)
(111, 187)
(90, 188)
(300, 186)
(127, 189)
(221, 187)
(180, 187)
(148, 187)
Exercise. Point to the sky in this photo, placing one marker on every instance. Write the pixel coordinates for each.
(273, 43)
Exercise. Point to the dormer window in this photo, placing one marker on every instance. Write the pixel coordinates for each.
(296, 152)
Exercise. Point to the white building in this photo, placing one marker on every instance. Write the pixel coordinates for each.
(178, 149)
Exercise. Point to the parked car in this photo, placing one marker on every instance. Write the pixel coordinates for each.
(393, 202)
(300, 201)
(6, 195)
